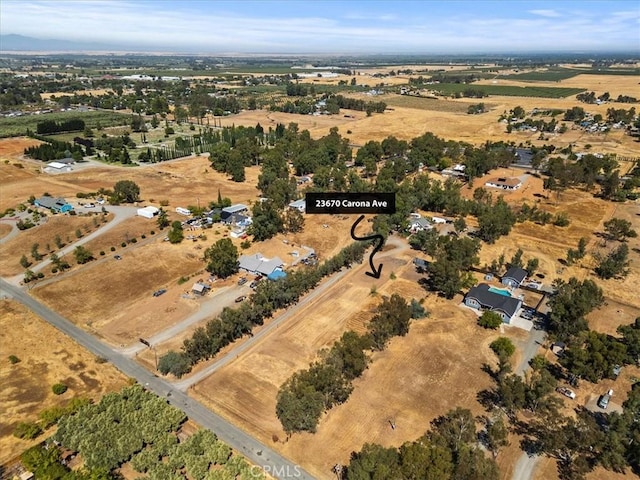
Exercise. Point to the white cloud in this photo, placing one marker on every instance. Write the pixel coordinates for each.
(545, 13)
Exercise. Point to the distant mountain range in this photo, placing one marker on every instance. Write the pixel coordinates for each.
(21, 43)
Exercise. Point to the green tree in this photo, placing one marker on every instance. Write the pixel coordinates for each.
(293, 221)
(299, 406)
(37, 256)
(176, 234)
(373, 462)
(631, 338)
(266, 221)
(24, 262)
(490, 319)
(503, 348)
(619, 229)
(222, 258)
(614, 264)
(495, 221)
(424, 460)
(58, 241)
(569, 304)
(392, 319)
(82, 255)
(126, 191)
(162, 220)
(497, 435)
(175, 363)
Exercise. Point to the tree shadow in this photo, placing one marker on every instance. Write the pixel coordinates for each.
(488, 399)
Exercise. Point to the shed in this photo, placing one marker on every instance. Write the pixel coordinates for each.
(514, 277)
(147, 212)
(299, 205)
(200, 288)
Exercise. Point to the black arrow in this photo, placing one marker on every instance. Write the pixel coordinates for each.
(375, 273)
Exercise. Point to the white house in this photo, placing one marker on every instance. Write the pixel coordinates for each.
(419, 224)
(512, 183)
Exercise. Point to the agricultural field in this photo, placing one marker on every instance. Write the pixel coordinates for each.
(13, 126)
(508, 90)
(46, 357)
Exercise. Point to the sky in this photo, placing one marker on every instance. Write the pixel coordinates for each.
(333, 27)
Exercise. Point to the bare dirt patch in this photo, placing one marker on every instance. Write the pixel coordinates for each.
(46, 357)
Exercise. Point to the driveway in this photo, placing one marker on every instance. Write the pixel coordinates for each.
(121, 213)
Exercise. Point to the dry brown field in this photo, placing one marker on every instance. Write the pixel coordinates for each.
(125, 231)
(182, 182)
(105, 289)
(436, 356)
(5, 229)
(63, 225)
(12, 148)
(47, 357)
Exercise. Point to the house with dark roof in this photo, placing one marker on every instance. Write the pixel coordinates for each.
(514, 277)
(481, 297)
(54, 204)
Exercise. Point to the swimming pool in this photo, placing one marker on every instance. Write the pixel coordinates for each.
(499, 291)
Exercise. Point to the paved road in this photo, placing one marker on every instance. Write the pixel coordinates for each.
(255, 451)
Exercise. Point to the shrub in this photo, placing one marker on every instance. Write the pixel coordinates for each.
(40, 275)
(164, 203)
(113, 249)
(27, 430)
(101, 360)
(182, 280)
(143, 236)
(134, 240)
(59, 388)
(153, 232)
(245, 244)
(54, 270)
(123, 244)
(490, 320)
(13, 359)
(102, 253)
